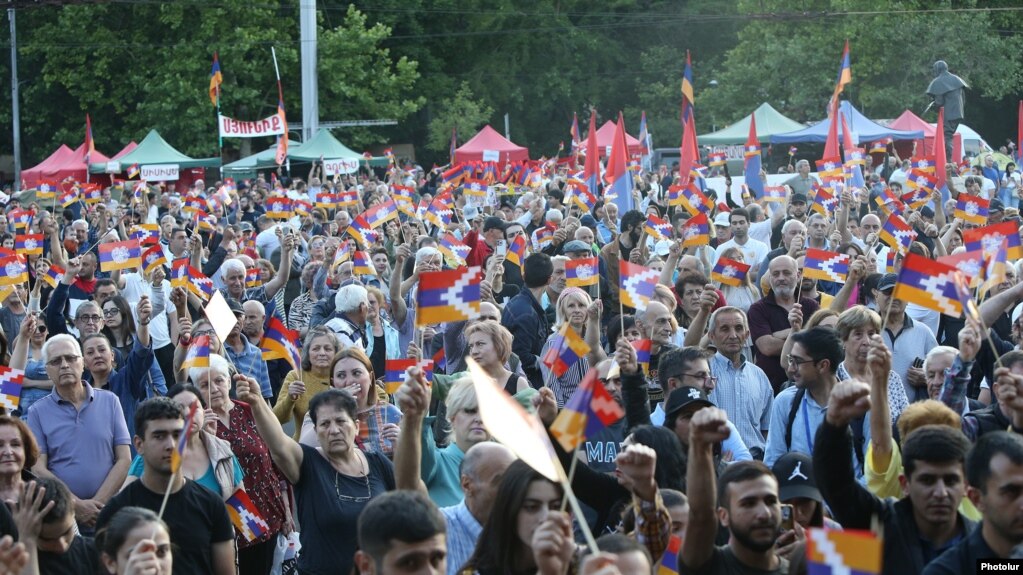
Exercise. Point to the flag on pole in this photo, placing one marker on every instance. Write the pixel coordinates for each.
(13, 270)
(844, 75)
(53, 275)
(198, 354)
(134, 171)
(453, 249)
(440, 361)
(637, 285)
(361, 264)
(279, 342)
(178, 455)
(940, 160)
(517, 251)
(825, 265)
(245, 517)
(643, 349)
(29, 244)
(643, 135)
(395, 372)
(566, 350)
(120, 255)
(696, 231)
(824, 203)
(153, 258)
(848, 551)
(669, 561)
(928, 283)
(574, 132)
(657, 228)
(11, 381)
(145, 234)
(752, 162)
(282, 141)
(589, 410)
(618, 176)
(972, 209)
(897, 234)
(591, 169)
(688, 100)
(90, 144)
(454, 145)
(729, 272)
(994, 269)
(449, 295)
(216, 79)
(970, 264)
(582, 272)
(989, 238)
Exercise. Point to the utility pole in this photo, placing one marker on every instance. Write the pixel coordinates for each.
(310, 87)
(15, 112)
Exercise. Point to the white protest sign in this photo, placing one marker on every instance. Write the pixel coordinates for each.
(113, 167)
(270, 126)
(491, 156)
(160, 173)
(340, 166)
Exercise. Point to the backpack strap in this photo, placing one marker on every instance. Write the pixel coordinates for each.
(800, 392)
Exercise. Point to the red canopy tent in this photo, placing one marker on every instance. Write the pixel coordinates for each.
(490, 146)
(606, 135)
(910, 121)
(62, 164)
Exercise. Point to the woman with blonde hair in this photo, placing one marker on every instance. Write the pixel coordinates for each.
(745, 294)
(572, 307)
(489, 344)
(321, 345)
(856, 326)
(352, 371)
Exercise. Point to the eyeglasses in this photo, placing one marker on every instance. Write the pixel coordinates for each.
(60, 359)
(89, 318)
(793, 361)
(41, 328)
(704, 377)
(111, 312)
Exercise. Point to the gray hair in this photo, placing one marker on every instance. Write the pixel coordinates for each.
(940, 350)
(350, 297)
(712, 323)
(232, 265)
(58, 339)
(790, 224)
(555, 215)
(218, 365)
(426, 252)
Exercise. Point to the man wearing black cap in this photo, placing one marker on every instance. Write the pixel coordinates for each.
(995, 212)
(482, 245)
(796, 210)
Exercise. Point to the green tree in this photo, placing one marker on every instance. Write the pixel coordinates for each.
(462, 112)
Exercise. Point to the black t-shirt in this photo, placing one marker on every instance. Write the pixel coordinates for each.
(329, 532)
(80, 559)
(7, 525)
(724, 562)
(196, 516)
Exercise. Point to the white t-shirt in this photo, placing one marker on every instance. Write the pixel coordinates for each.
(134, 288)
(754, 251)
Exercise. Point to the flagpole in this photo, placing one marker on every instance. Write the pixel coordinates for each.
(571, 476)
(888, 309)
(170, 483)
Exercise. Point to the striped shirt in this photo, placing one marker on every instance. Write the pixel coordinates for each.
(746, 395)
(463, 531)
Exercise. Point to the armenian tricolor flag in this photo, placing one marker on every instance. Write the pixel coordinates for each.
(989, 238)
(29, 244)
(449, 295)
(326, 200)
(179, 273)
(582, 272)
(849, 551)
(928, 283)
(53, 275)
(729, 272)
(68, 197)
(566, 350)
(11, 381)
(20, 218)
(216, 79)
(279, 342)
(922, 164)
(124, 255)
(825, 265)
(879, 147)
(696, 231)
(395, 372)
(178, 455)
(245, 517)
(637, 285)
(153, 258)
(643, 347)
(829, 167)
(590, 409)
(440, 361)
(716, 159)
(972, 209)
(669, 562)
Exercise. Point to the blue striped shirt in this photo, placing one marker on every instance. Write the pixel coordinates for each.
(746, 395)
(463, 531)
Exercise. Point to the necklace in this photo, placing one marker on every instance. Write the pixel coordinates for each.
(349, 498)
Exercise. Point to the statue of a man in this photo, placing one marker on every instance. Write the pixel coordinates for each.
(947, 91)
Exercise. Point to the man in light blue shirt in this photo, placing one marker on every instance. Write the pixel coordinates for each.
(812, 364)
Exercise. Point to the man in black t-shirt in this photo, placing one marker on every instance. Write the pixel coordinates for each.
(52, 540)
(200, 528)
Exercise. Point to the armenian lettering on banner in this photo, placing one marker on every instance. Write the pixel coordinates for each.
(160, 173)
(271, 126)
(340, 166)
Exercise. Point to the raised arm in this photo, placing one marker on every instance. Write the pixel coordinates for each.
(857, 271)
(283, 450)
(994, 307)
(708, 427)
(879, 360)
(414, 401)
(19, 356)
(399, 309)
(284, 271)
(592, 333)
(708, 298)
(670, 264)
(796, 321)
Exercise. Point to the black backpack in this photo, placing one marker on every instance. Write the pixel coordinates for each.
(859, 441)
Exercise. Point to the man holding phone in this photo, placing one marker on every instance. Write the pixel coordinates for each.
(483, 243)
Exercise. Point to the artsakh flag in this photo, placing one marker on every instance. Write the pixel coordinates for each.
(11, 382)
(279, 342)
(590, 409)
(582, 272)
(637, 285)
(825, 265)
(696, 231)
(245, 517)
(848, 551)
(989, 238)
(120, 255)
(897, 234)
(928, 283)
(566, 350)
(29, 244)
(657, 228)
(449, 295)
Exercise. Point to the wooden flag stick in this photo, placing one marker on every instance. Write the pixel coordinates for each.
(170, 485)
(566, 483)
(571, 476)
(888, 309)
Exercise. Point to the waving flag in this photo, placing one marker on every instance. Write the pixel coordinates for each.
(825, 265)
(753, 163)
(566, 350)
(582, 272)
(278, 208)
(120, 255)
(29, 244)
(889, 203)
(199, 284)
(361, 264)
(453, 249)
(940, 176)
(380, 214)
(879, 147)
(347, 198)
(253, 278)
(326, 200)
(688, 100)
(517, 251)
(46, 191)
(591, 169)
(178, 455)
(590, 409)
(929, 284)
(916, 199)
(542, 237)
(729, 272)
(279, 342)
(965, 296)
(694, 201)
(21, 218)
(134, 171)
(153, 258)
(450, 295)
(824, 203)
(11, 381)
(282, 141)
(90, 144)
(642, 347)
(969, 263)
(696, 231)
(669, 561)
(920, 180)
(440, 361)
(394, 375)
(53, 275)
(989, 238)
(774, 194)
(13, 270)
(994, 269)
(245, 517)
(922, 164)
(179, 273)
(216, 79)
(574, 131)
(618, 175)
(360, 230)
(643, 135)
(829, 167)
(343, 254)
(145, 234)
(581, 195)
(657, 228)
(848, 551)
(972, 209)
(844, 76)
(198, 354)
(897, 234)
(717, 159)
(637, 285)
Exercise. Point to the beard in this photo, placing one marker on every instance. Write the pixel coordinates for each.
(746, 539)
(785, 292)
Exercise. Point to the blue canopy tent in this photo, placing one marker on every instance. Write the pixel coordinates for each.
(864, 130)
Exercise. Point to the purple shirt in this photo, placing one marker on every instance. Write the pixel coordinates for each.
(766, 317)
(79, 444)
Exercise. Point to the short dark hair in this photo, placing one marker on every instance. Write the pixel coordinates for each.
(632, 218)
(180, 388)
(690, 279)
(103, 282)
(933, 444)
(738, 472)
(537, 270)
(1009, 360)
(822, 342)
(738, 212)
(58, 493)
(406, 516)
(617, 543)
(617, 327)
(676, 361)
(978, 460)
(337, 398)
(153, 409)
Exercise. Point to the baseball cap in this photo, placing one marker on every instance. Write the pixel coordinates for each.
(927, 212)
(235, 305)
(887, 282)
(588, 221)
(794, 472)
(247, 227)
(576, 246)
(996, 205)
(721, 219)
(683, 397)
(798, 198)
(494, 222)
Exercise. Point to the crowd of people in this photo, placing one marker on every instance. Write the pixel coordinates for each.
(767, 406)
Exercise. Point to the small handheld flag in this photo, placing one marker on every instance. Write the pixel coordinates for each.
(279, 342)
(153, 258)
(643, 348)
(582, 272)
(669, 562)
(637, 285)
(566, 350)
(847, 551)
(590, 409)
(929, 284)
(11, 381)
(198, 353)
(989, 238)
(657, 228)
(450, 295)
(53, 275)
(120, 255)
(253, 278)
(361, 265)
(178, 455)
(972, 209)
(825, 265)
(696, 231)
(897, 234)
(29, 244)
(245, 517)
(729, 272)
